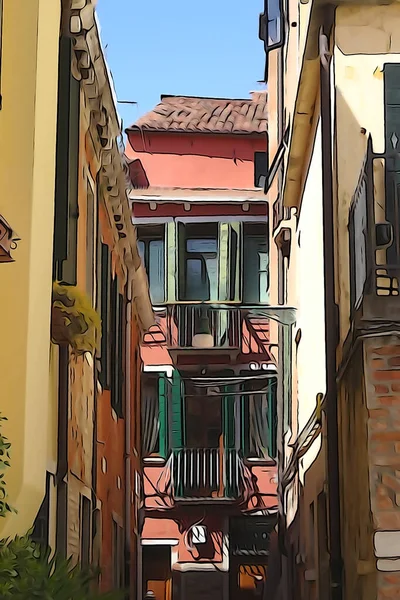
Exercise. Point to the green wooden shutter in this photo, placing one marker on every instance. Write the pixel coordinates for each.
(179, 273)
(392, 106)
(229, 440)
(392, 145)
(244, 425)
(105, 316)
(229, 419)
(177, 437)
(272, 417)
(162, 415)
(234, 256)
(69, 267)
(223, 262)
(61, 184)
(171, 250)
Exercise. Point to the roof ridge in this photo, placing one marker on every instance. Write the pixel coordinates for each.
(206, 115)
(164, 96)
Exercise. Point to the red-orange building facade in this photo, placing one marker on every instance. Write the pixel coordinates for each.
(208, 403)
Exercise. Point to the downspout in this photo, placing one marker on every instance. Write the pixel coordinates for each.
(128, 479)
(331, 323)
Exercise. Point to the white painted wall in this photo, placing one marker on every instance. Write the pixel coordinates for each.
(310, 297)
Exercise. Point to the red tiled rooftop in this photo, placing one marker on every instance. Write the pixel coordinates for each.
(207, 115)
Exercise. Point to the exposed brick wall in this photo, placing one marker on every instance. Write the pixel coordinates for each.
(382, 366)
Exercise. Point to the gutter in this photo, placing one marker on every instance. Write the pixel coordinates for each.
(304, 441)
(128, 470)
(331, 324)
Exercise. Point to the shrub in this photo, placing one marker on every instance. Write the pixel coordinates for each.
(74, 320)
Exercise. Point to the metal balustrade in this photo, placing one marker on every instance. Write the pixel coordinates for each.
(206, 473)
(374, 237)
(184, 321)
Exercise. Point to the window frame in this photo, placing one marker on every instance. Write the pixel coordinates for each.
(117, 335)
(147, 234)
(270, 417)
(196, 231)
(257, 174)
(85, 529)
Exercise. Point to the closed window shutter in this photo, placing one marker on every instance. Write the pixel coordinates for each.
(244, 437)
(116, 331)
(229, 441)
(69, 268)
(392, 146)
(272, 418)
(162, 415)
(120, 354)
(61, 187)
(177, 439)
(105, 316)
(229, 419)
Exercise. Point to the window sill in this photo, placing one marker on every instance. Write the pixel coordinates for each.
(260, 462)
(154, 461)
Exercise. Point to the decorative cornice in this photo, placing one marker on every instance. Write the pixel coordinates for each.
(90, 68)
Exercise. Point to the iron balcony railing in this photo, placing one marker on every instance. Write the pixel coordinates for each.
(207, 473)
(227, 327)
(374, 235)
(185, 322)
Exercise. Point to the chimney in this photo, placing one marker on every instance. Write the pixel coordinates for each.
(259, 96)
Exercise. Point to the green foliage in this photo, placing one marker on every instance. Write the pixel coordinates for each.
(5, 446)
(28, 572)
(76, 317)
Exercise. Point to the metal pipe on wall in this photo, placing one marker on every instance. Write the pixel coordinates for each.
(331, 322)
(128, 479)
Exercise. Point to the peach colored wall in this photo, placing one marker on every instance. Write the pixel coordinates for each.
(161, 528)
(198, 160)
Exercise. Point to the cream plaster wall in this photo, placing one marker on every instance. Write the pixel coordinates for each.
(366, 38)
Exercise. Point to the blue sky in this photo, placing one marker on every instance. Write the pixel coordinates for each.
(181, 47)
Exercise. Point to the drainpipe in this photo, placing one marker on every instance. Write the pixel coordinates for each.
(128, 479)
(331, 323)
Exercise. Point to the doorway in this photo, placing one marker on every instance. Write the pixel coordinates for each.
(157, 574)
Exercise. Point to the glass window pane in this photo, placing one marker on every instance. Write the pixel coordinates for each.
(274, 22)
(156, 270)
(201, 246)
(197, 282)
(141, 251)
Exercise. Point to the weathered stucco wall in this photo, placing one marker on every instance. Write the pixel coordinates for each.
(366, 38)
(29, 106)
(215, 161)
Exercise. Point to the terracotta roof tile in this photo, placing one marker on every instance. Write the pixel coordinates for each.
(211, 115)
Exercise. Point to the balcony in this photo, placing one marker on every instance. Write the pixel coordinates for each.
(207, 474)
(201, 328)
(374, 237)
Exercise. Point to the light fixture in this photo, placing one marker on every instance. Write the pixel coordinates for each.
(199, 535)
(203, 338)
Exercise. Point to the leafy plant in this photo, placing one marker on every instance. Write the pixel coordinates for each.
(27, 571)
(74, 320)
(5, 446)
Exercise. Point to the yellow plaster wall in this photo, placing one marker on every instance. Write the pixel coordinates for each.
(29, 69)
(359, 104)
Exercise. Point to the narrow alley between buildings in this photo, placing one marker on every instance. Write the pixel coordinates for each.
(200, 358)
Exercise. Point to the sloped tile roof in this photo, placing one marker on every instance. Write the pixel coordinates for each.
(207, 115)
